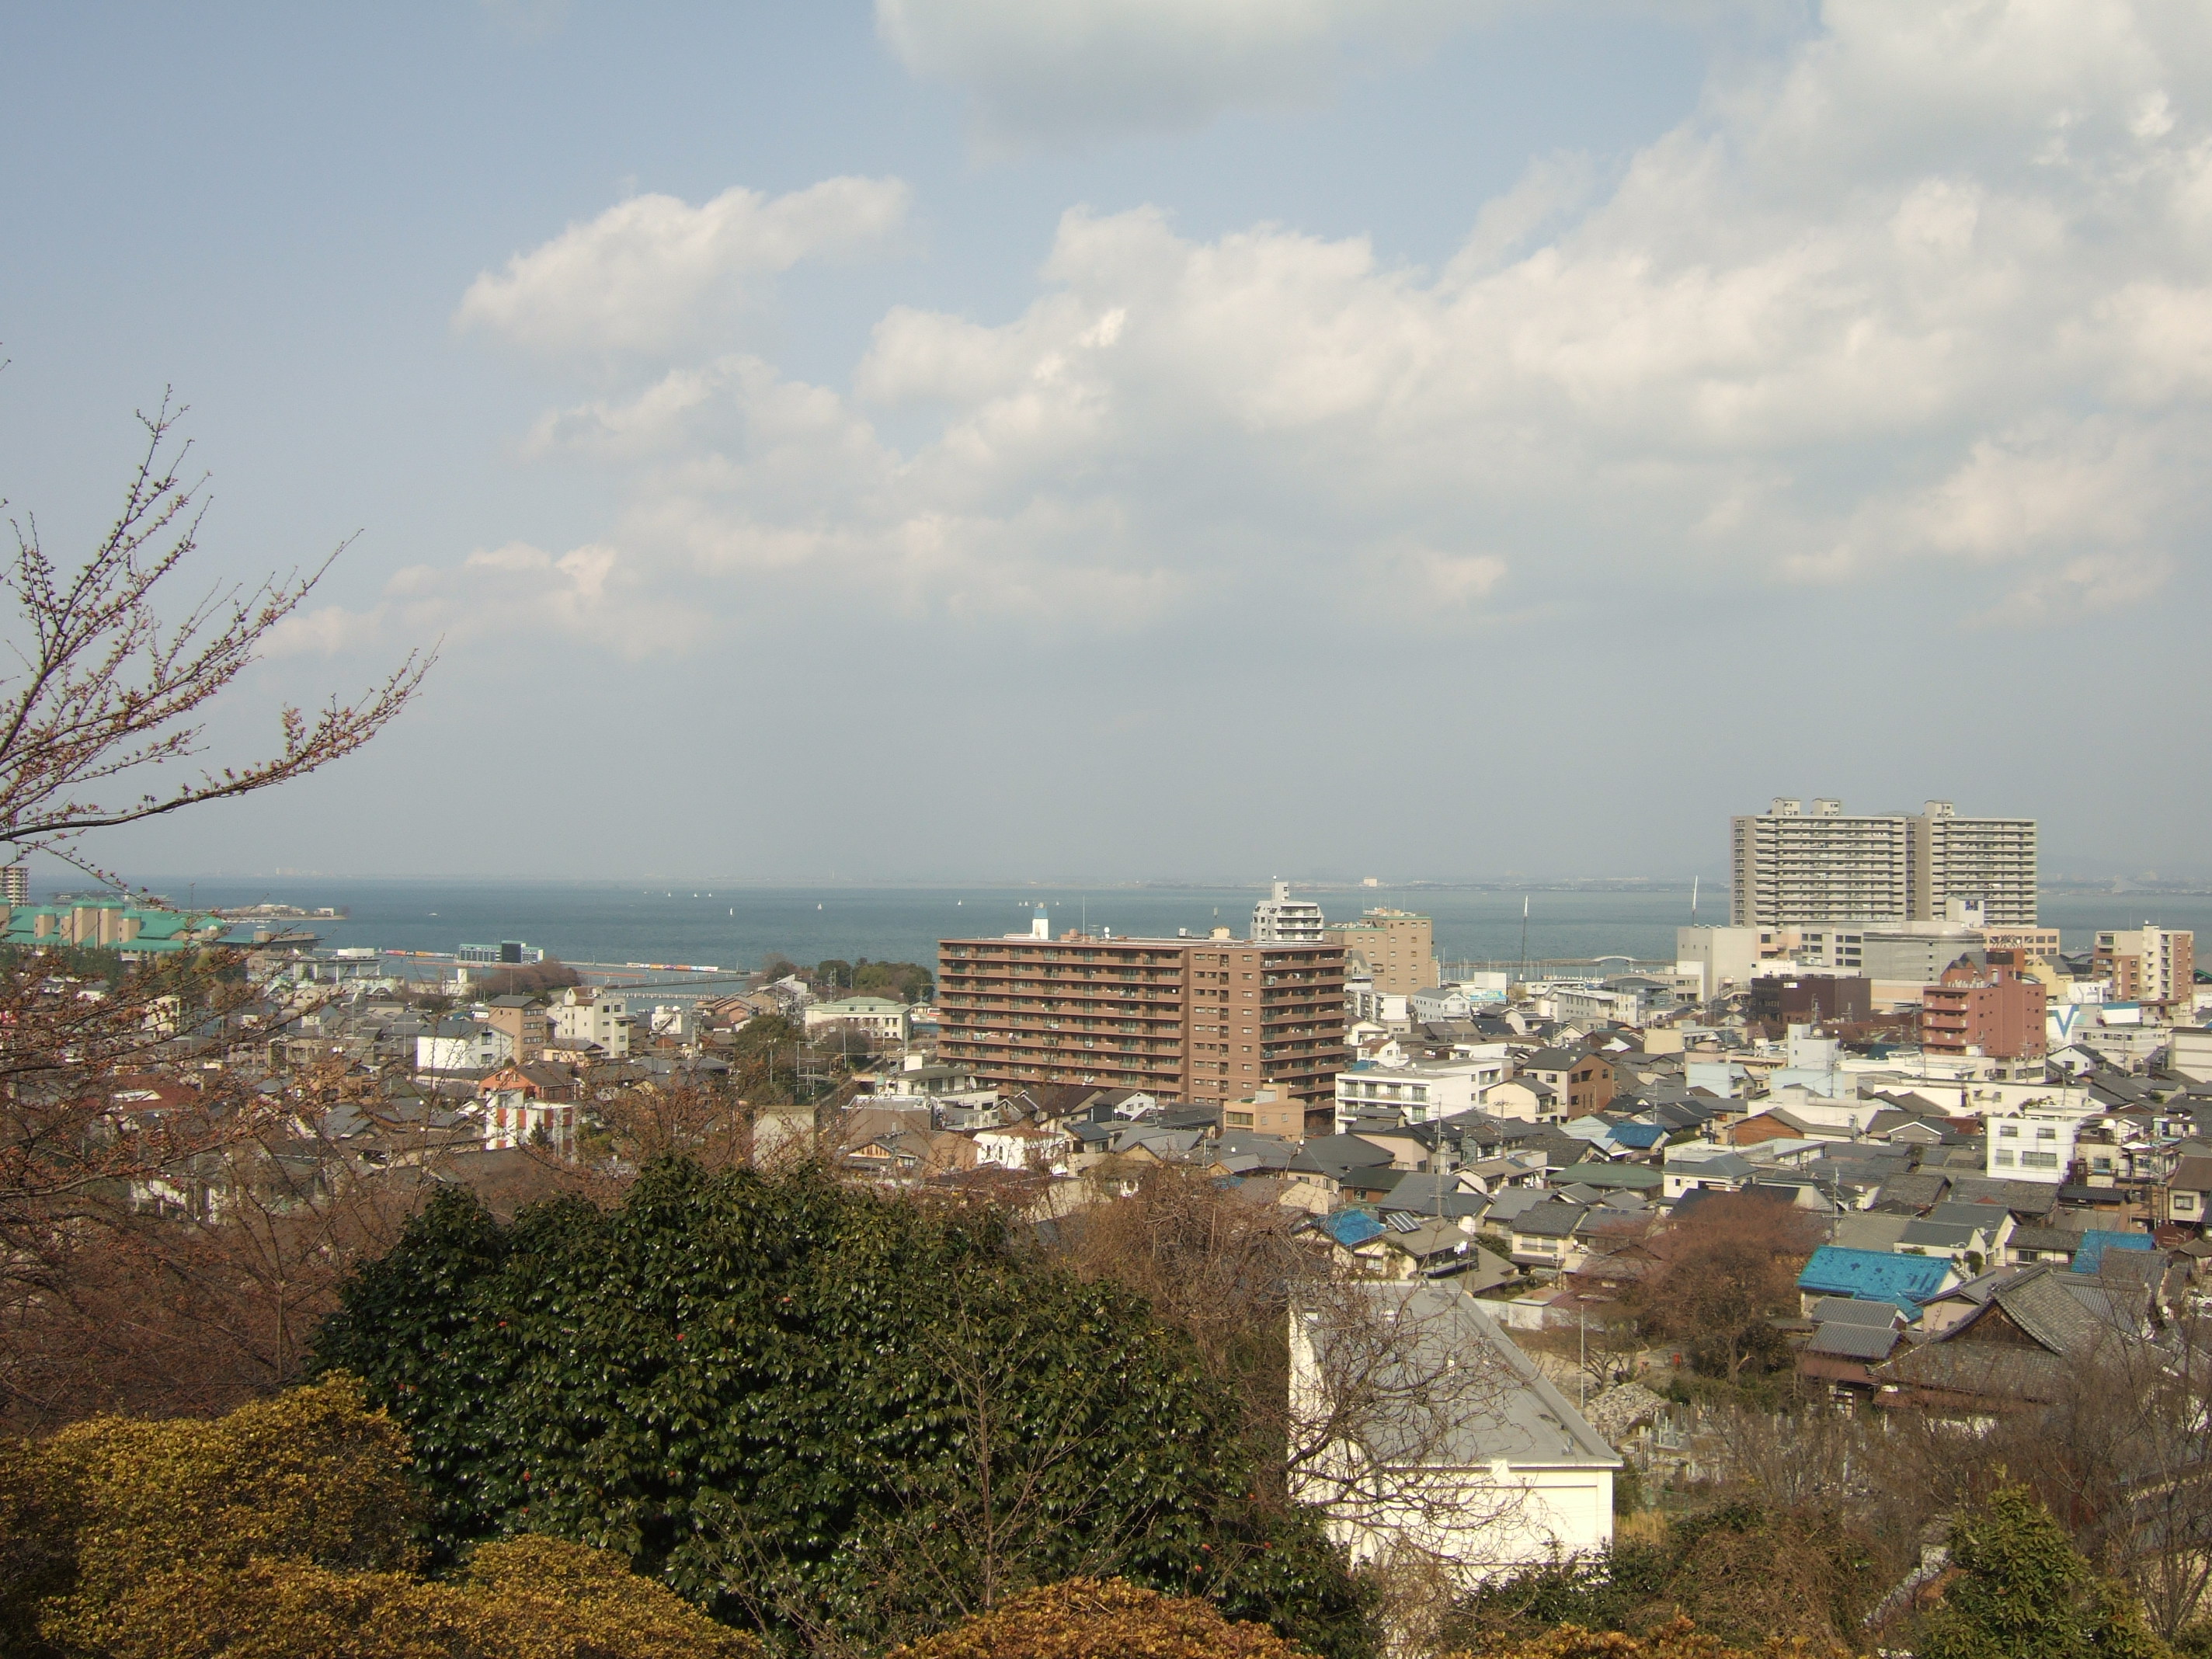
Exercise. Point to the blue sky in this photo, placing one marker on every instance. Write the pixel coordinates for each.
(1153, 438)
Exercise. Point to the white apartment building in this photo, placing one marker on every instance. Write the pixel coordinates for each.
(1416, 1092)
(1786, 865)
(2150, 964)
(2030, 1145)
(1991, 859)
(586, 1015)
(1281, 920)
(886, 1021)
(462, 1045)
(1789, 865)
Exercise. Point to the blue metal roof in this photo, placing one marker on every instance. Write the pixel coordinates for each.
(1876, 1275)
(1352, 1227)
(1639, 1135)
(2094, 1244)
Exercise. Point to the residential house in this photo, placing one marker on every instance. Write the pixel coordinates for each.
(1026, 1147)
(462, 1045)
(1488, 1470)
(1874, 1275)
(1545, 1236)
(532, 1105)
(2017, 1350)
(2184, 1198)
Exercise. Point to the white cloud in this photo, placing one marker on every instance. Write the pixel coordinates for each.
(648, 273)
(1937, 292)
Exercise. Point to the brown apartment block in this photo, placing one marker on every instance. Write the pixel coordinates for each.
(1983, 1010)
(1399, 948)
(1202, 1020)
(524, 1020)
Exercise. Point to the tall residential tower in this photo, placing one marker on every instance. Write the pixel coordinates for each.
(1789, 866)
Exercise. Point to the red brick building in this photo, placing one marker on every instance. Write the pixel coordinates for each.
(1982, 1010)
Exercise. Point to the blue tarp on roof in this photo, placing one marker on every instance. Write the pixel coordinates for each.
(2094, 1244)
(1874, 1275)
(1352, 1227)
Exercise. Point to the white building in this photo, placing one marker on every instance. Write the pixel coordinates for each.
(462, 1045)
(1416, 1092)
(881, 1018)
(1025, 1147)
(2031, 1146)
(1282, 920)
(586, 1015)
(1483, 1465)
(1724, 959)
(1989, 860)
(1788, 865)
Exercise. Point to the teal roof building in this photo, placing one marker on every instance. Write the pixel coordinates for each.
(111, 924)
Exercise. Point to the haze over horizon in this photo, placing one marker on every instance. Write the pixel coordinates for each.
(935, 439)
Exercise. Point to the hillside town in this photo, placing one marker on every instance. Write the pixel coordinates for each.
(1880, 1040)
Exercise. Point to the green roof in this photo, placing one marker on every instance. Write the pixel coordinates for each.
(1623, 1177)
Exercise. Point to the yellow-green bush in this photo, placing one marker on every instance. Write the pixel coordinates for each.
(1091, 1619)
(284, 1531)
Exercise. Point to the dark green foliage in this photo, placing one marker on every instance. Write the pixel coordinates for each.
(2022, 1591)
(826, 1412)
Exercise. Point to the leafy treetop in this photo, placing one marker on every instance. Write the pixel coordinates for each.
(842, 1418)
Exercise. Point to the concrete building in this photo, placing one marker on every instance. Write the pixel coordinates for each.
(1789, 866)
(1204, 1020)
(1786, 865)
(882, 1020)
(1399, 948)
(1780, 999)
(525, 1022)
(1724, 959)
(1279, 918)
(1976, 1009)
(15, 885)
(1418, 1092)
(462, 1045)
(2031, 1146)
(586, 1015)
(2149, 964)
(1991, 859)
(1269, 1111)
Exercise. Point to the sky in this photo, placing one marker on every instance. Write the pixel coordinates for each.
(1102, 440)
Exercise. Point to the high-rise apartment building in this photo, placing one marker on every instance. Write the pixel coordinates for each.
(1789, 866)
(1398, 946)
(14, 884)
(1279, 918)
(2149, 964)
(1992, 859)
(1203, 1020)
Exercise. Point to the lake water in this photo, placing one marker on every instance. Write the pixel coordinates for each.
(742, 926)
